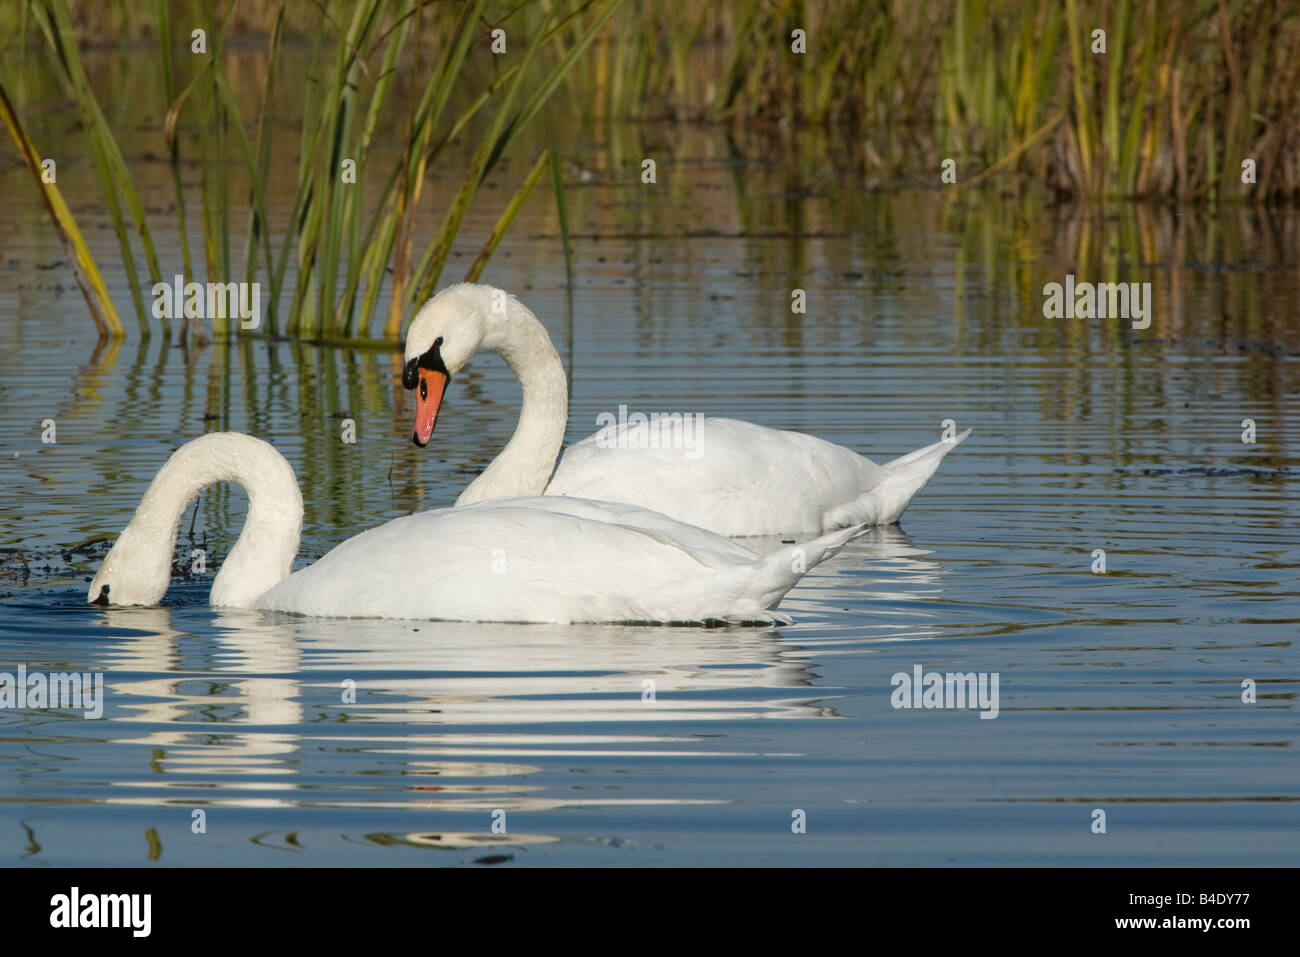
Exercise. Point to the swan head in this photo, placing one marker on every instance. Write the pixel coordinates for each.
(136, 571)
(447, 330)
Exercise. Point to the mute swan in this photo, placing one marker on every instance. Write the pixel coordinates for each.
(741, 479)
(514, 559)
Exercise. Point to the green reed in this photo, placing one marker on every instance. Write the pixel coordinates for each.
(332, 260)
(1183, 93)
(1014, 90)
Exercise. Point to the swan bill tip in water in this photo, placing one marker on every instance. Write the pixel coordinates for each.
(132, 573)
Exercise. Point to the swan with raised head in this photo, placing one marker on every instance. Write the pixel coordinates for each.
(740, 479)
(514, 559)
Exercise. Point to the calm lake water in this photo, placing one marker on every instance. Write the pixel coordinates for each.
(1120, 692)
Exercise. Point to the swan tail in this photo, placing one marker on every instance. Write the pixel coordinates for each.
(774, 575)
(905, 477)
(929, 454)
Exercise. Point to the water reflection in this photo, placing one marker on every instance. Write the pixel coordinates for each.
(249, 709)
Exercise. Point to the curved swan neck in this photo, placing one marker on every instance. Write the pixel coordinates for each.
(138, 567)
(525, 465)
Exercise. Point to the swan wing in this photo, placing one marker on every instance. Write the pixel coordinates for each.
(737, 478)
(543, 560)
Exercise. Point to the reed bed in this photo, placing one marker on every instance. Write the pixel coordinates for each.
(326, 271)
(1195, 101)
(1182, 95)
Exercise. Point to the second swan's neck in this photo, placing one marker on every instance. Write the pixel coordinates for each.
(525, 465)
(262, 557)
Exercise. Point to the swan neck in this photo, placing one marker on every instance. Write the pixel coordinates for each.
(525, 465)
(264, 553)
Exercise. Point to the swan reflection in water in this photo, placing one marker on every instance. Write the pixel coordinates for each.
(248, 712)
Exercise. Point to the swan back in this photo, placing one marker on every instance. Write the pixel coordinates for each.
(738, 478)
(546, 559)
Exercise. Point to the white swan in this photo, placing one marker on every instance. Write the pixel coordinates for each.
(515, 559)
(742, 479)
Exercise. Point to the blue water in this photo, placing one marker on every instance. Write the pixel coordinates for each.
(1118, 692)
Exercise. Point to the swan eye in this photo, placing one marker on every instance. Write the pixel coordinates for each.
(432, 359)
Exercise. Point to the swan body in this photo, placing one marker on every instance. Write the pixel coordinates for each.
(527, 559)
(748, 479)
(736, 479)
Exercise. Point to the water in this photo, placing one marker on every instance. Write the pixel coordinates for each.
(1120, 692)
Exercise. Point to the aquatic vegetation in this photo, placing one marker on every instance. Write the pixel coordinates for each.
(1133, 98)
(1093, 99)
(333, 260)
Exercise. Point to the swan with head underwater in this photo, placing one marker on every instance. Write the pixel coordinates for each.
(746, 479)
(537, 559)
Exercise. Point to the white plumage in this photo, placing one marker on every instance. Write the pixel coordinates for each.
(747, 479)
(739, 479)
(547, 560)
(533, 559)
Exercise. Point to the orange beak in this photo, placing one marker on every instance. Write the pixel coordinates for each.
(428, 400)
